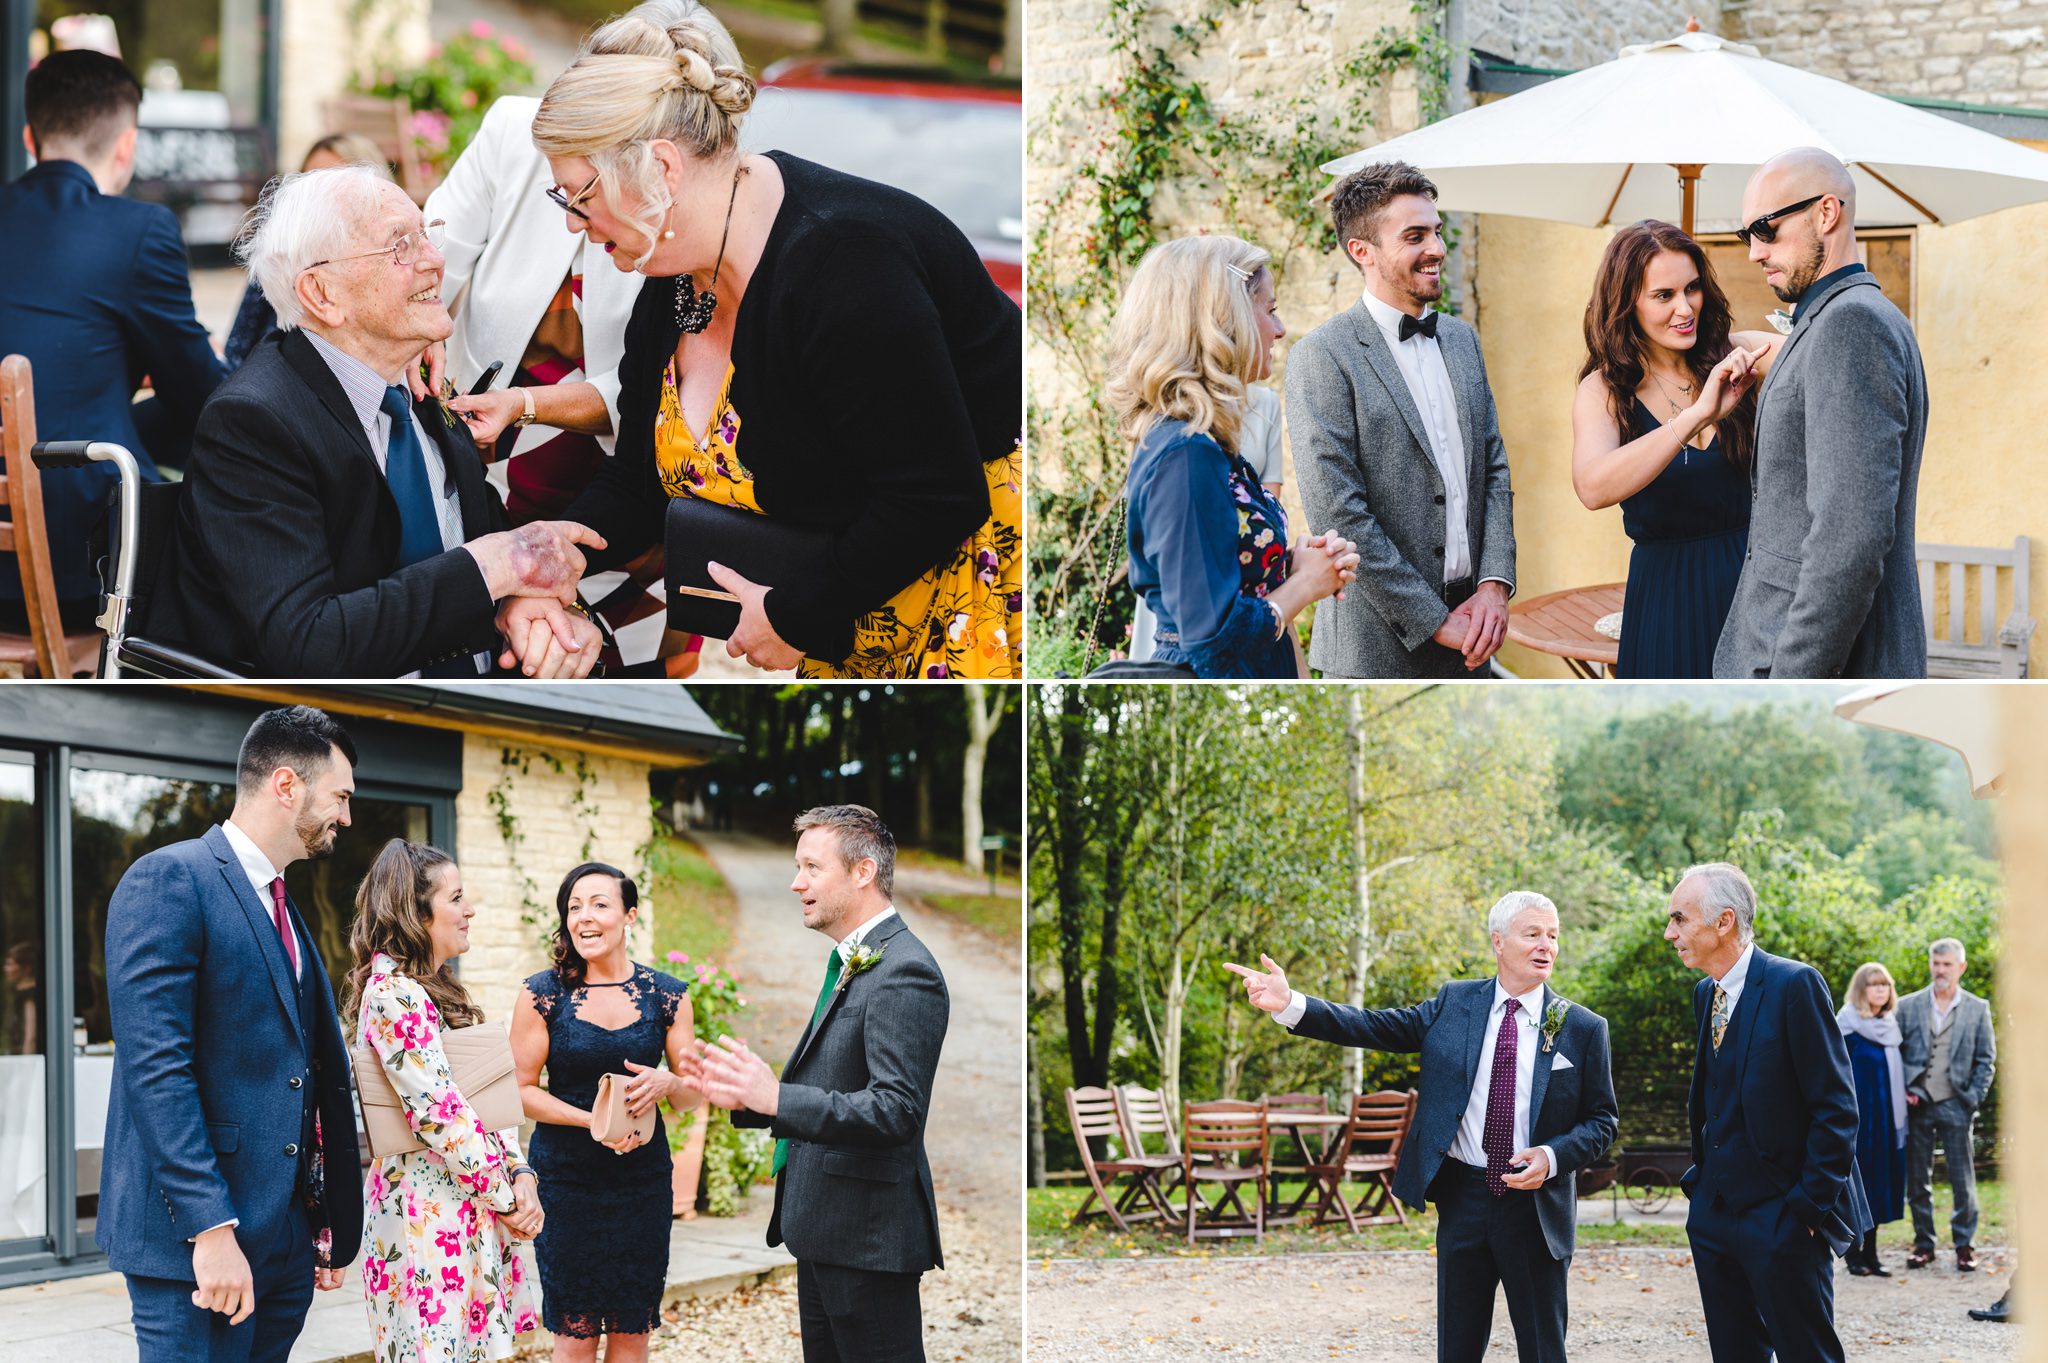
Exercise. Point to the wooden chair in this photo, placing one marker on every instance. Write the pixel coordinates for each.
(46, 650)
(1368, 1150)
(1143, 1113)
(1302, 1138)
(388, 124)
(2000, 649)
(1092, 1115)
(1224, 1144)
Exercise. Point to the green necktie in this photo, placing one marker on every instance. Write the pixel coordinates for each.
(831, 978)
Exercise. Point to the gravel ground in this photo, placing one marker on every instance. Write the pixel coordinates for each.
(1627, 1305)
(973, 1310)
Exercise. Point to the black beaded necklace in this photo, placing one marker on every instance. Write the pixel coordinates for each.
(694, 309)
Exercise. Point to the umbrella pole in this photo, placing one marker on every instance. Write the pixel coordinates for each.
(1688, 182)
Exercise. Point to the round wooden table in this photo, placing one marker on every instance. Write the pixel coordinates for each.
(1298, 1125)
(1561, 624)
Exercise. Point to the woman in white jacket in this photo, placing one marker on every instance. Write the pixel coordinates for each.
(548, 307)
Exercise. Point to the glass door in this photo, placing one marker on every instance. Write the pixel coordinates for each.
(24, 1023)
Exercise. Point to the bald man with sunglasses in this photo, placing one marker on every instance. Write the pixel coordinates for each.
(1829, 586)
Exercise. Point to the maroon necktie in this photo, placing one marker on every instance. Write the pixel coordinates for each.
(291, 953)
(1499, 1138)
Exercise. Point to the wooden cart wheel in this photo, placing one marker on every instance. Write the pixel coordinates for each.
(1648, 1193)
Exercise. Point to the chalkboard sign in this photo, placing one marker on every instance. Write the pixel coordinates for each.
(170, 160)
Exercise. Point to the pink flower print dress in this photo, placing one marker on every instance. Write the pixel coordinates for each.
(442, 1278)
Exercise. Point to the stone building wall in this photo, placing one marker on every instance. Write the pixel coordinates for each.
(557, 814)
(322, 45)
(1974, 51)
(1570, 34)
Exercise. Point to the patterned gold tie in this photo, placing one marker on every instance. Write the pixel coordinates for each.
(1720, 1015)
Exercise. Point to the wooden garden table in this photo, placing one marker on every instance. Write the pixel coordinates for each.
(1561, 624)
(1298, 1125)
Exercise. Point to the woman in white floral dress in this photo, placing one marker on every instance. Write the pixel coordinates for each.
(440, 1272)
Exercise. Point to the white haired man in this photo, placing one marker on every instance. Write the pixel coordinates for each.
(1773, 1190)
(331, 524)
(1949, 1054)
(1516, 1096)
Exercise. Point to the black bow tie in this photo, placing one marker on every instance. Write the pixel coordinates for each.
(1424, 325)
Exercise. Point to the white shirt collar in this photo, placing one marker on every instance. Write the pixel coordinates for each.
(1737, 974)
(860, 934)
(1387, 315)
(1532, 1002)
(255, 865)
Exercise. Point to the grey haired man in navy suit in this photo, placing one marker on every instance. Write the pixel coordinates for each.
(1773, 1191)
(230, 1188)
(1516, 1096)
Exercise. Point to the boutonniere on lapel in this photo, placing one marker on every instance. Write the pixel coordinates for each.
(1780, 320)
(446, 395)
(862, 957)
(1553, 1022)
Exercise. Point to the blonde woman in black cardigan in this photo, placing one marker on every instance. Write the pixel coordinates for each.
(814, 348)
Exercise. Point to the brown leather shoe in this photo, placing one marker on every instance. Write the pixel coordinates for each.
(1966, 1259)
(1920, 1256)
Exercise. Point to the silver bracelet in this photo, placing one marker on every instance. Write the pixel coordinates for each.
(1279, 620)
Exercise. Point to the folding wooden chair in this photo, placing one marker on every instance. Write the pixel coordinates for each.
(1224, 1144)
(46, 650)
(1092, 1114)
(1368, 1150)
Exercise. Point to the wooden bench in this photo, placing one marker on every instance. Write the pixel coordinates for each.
(1998, 650)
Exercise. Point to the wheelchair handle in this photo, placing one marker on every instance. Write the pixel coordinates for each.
(63, 454)
(71, 454)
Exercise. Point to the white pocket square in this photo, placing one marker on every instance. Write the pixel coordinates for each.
(1561, 1061)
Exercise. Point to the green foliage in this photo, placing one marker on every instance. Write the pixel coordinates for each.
(694, 909)
(1916, 849)
(453, 88)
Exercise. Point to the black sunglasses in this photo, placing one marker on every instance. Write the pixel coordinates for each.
(1763, 230)
(567, 203)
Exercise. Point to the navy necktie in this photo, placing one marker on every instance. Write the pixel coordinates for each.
(405, 470)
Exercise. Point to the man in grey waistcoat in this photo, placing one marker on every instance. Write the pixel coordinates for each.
(853, 1188)
(1398, 449)
(1829, 587)
(1949, 1054)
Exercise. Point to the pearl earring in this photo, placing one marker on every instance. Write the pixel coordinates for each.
(669, 235)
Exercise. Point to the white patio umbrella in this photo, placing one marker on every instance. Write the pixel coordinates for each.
(1674, 130)
(1964, 719)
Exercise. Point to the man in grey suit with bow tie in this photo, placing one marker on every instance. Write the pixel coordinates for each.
(853, 1188)
(1829, 585)
(1516, 1096)
(1398, 449)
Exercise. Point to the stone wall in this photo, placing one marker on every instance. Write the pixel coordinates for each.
(558, 814)
(1975, 51)
(1569, 34)
(322, 45)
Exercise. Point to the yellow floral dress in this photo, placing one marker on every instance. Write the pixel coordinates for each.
(444, 1282)
(963, 618)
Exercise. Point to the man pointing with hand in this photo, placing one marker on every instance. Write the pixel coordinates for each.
(1516, 1096)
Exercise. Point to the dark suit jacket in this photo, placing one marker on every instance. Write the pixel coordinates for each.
(1798, 1113)
(1363, 456)
(1571, 1110)
(211, 1056)
(857, 1188)
(1830, 586)
(286, 551)
(94, 291)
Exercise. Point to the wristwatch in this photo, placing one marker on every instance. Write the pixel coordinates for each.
(525, 418)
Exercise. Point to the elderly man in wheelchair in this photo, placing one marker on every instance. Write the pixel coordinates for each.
(335, 520)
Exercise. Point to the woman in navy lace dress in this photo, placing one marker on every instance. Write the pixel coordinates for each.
(1209, 552)
(603, 1252)
(1664, 423)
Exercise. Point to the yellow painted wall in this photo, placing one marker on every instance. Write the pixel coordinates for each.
(1980, 289)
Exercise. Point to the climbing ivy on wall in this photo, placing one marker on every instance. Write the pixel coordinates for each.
(1156, 156)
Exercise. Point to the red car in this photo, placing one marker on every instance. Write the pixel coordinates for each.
(957, 144)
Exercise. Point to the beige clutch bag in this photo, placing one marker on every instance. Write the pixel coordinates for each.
(609, 1118)
(480, 1058)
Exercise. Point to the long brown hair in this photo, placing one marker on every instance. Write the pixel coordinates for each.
(394, 904)
(570, 967)
(1618, 351)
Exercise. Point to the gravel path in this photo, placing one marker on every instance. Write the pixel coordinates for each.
(973, 1310)
(1627, 1305)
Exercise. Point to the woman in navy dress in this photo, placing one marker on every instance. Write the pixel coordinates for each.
(1664, 424)
(603, 1249)
(1208, 542)
(1868, 1022)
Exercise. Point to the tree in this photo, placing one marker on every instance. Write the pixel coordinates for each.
(986, 707)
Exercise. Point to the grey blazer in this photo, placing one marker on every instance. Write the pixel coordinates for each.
(1829, 587)
(857, 1189)
(1972, 1051)
(1366, 472)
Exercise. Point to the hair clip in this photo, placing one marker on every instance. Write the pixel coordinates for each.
(1244, 276)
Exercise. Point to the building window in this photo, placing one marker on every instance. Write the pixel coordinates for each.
(24, 1031)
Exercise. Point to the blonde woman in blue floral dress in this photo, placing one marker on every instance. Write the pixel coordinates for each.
(441, 1274)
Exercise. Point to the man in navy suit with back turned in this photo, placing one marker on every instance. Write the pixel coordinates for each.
(230, 1187)
(1773, 1189)
(1516, 1096)
(95, 292)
